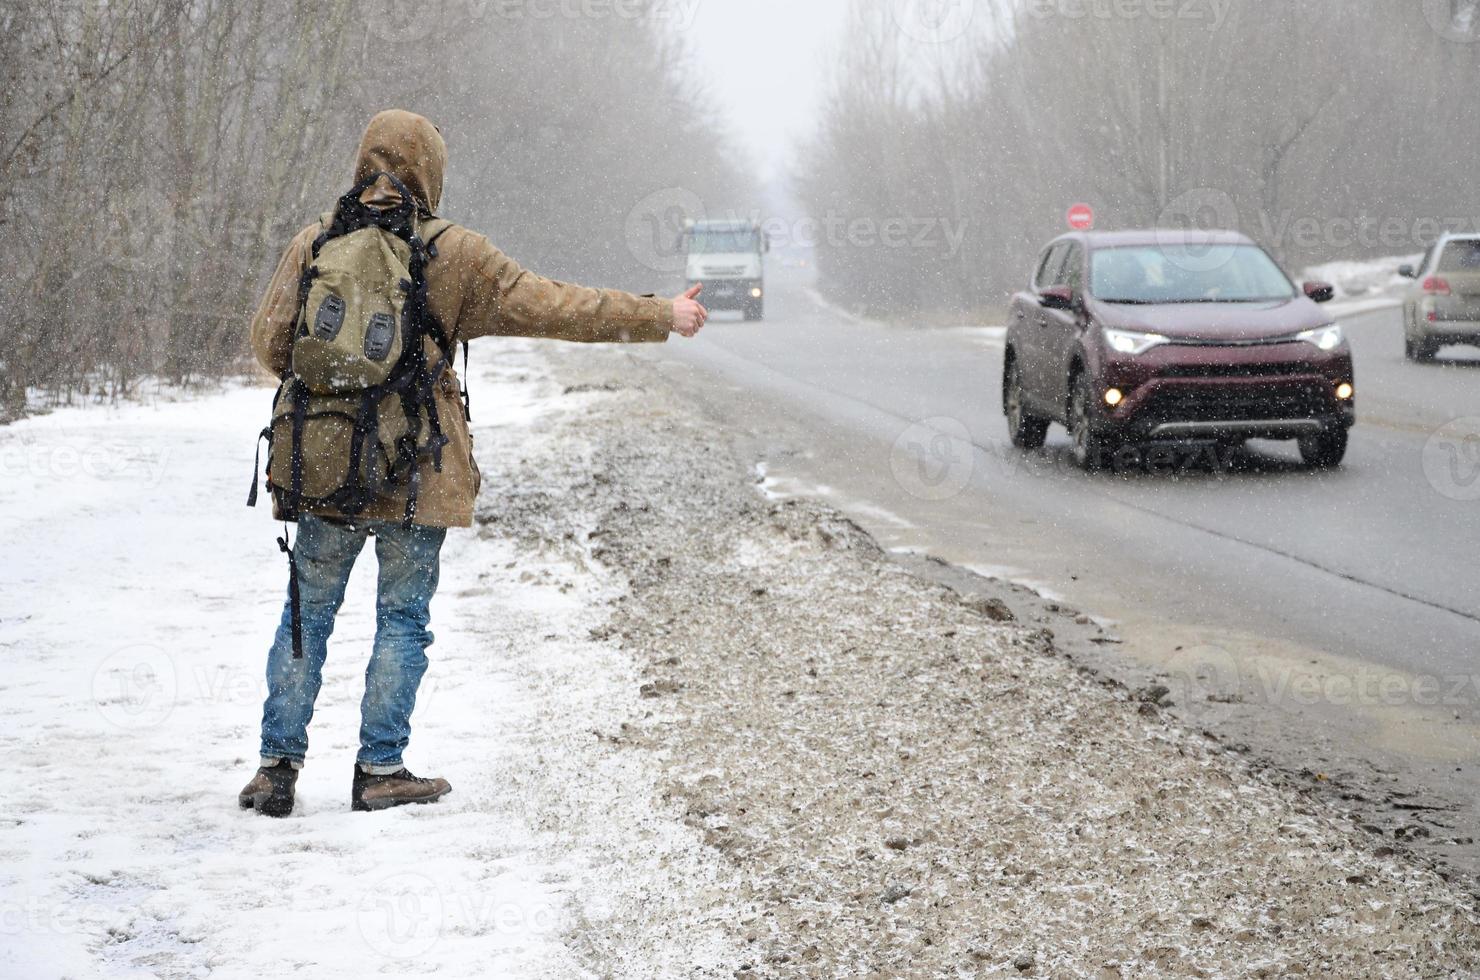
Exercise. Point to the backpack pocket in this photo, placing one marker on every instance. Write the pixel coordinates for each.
(350, 330)
(341, 452)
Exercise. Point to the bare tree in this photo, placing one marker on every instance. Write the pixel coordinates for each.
(1289, 115)
(156, 155)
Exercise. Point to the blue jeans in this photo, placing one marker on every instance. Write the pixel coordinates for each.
(326, 552)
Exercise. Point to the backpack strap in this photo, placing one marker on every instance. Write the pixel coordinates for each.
(431, 231)
(352, 214)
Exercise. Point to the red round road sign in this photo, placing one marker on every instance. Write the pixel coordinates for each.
(1081, 217)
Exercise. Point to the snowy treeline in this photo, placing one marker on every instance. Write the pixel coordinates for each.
(156, 154)
(1323, 128)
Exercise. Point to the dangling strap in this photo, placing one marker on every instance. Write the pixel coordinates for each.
(436, 439)
(413, 490)
(257, 466)
(300, 418)
(467, 398)
(295, 600)
(364, 425)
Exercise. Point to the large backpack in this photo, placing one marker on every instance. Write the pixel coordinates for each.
(356, 414)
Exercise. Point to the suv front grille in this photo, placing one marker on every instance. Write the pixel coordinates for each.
(1270, 370)
(1240, 403)
(1227, 342)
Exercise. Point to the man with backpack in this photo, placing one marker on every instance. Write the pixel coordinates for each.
(369, 433)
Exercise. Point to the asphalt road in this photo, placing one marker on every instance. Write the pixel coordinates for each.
(1347, 601)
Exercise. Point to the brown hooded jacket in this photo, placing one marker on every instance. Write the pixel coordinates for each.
(473, 289)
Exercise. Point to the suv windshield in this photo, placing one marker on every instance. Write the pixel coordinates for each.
(703, 241)
(1182, 274)
(1460, 256)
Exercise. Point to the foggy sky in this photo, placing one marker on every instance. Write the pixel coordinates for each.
(766, 63)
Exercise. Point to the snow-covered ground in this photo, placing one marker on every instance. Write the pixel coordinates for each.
(695, 727)
(137, 599)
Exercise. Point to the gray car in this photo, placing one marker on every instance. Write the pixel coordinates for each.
(1443, 305)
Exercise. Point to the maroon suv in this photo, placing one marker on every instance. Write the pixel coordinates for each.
(1136, 337)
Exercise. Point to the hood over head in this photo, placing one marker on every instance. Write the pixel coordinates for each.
(409, 147)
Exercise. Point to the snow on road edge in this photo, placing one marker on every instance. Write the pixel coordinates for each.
(912, 788)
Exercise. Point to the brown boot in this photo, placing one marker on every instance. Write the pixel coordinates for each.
(271, 791)
(396, 789)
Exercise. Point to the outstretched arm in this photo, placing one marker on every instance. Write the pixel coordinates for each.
(502, 299)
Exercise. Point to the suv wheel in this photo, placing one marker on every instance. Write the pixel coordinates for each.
(1026, 430)
(1415, 347)
(1091, 449)
(1325, 450)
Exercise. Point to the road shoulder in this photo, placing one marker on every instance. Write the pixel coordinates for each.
(907, 782)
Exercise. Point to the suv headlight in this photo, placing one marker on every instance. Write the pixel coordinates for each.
(1325, 338)
(1131, 342)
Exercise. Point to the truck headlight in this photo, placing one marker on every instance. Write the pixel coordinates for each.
(1325, 338)
(756, 292)
(1131, 342)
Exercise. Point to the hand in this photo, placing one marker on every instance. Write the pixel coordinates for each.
(688, 314)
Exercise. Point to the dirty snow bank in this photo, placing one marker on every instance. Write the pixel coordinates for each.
(907, 786)
(137, 600)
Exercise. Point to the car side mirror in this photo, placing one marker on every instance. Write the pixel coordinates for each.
(1059, 298)
(1407, 272)
(1320, 292)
